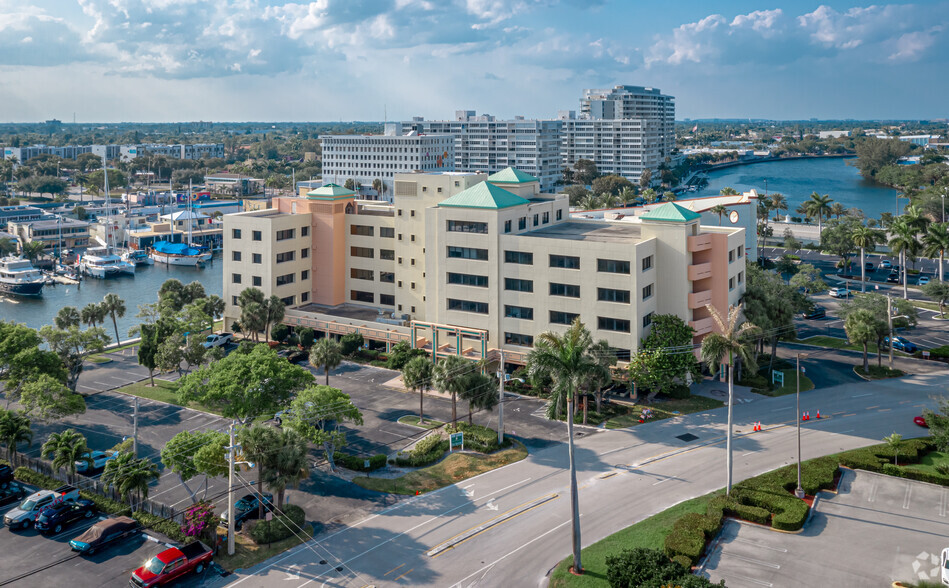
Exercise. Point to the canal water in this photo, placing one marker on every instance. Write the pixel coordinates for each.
(797, 179)
(140, 289)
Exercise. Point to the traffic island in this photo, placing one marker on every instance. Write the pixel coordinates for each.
(412, 421)
(878, 372)
(247, 553)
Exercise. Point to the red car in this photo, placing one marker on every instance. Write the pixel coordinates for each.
(171, 564)
(920, 421)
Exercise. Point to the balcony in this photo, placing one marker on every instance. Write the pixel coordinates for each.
(701, 242)
(700, 299)
(703, 326)
(700, 271)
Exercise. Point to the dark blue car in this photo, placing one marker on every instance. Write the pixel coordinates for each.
(901, 344)
(53, 519)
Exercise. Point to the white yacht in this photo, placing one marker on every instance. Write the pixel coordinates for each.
(137, 257)
(101, 262)
(18, 276)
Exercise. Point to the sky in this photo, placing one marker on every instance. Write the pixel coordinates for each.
(271, 60)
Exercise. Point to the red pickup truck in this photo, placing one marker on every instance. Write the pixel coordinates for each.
(171, 564)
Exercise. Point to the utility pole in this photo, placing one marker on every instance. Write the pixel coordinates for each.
(135, 430)
(231, 457)
(889, 319)
(799, 491)
(501, 399)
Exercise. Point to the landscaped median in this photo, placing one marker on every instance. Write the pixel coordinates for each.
(163, 391)
(683, 531)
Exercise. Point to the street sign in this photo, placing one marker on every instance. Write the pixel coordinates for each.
(456, 439)
(777, 377)
(366, 464)
(925, 355)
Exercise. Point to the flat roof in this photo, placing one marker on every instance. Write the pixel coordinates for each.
(602, 232)
(350, 311)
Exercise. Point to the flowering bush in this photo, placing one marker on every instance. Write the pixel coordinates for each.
(199, 519)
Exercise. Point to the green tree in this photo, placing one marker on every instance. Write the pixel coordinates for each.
(148, 350)
(771, 305)
(787, 266)
(935, 243)
(894, 441)
(837, 210)
(778, 202)
(92, 314)
(189, 454)
(130, 476)
(728, 191)
(245, 385)
(670, 333)
(7, 247)
(72, 345)
(253, 305)
(67, 317)
(32, 250)
(46, 398)
(350, 344)
(937, 291)
(170, 354)
(720, 210)
(326, 354)
(809, 278)
(317, 413)
(791, 243)
(585, 172)
(67, 447)
(645, 178)
(14, 429)
(865, 238)
(480, 391)
(287, 465)
(258, 443)
(27, 366)
(874, 154)
(114, 307)
(645, 373)
(838, 240)
(726, 346)
(818, 207)
(448, 377)
(566, 359)
(276, 310)
(938, 421)
(611, 184)
(417, 376)
(576, 194)
(877, 305)
(861, 330)
(401, 354)
(903, 241)
(14, 338)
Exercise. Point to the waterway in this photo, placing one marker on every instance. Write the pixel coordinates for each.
(137, 290)
(797, 179)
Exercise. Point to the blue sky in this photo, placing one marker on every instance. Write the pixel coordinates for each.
(272, 60)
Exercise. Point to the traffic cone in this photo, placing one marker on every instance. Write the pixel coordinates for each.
(807, 415)
(818, 413)
(758, 426)
(803, 416)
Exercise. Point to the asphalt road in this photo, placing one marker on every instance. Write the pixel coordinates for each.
(619, 472)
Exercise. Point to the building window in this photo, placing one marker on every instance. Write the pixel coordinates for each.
(519, 312)
(235, 278)
(610, 295)
(741, 277)
(286, 234)
(256, 281)
(507, 226)
(305, 275)
(518, 339)
(304, 297)
(361, 274)
(468, 280)
(522, 257)
(412, 286)
(361, 252)
(647, 263)
(565, 261)
(304, 253)
(357, 296)
(558, 317)
(286, 279)
(559, 214)
(256, 258)
(569, 290)
(235, 255)
(236, 233)
(387, 232)
(517, 285)
(647, 292)
(612, 266)
(522, 223)
(255, 235)
(305, 232)
(412, 212)
(612, 324)
(740, 250)
(387, 254)
(546, 218)
(731, 256)
(387, 277)
(536, 219)
(456, 226)
(731, 284)
(468, 306)
(467, 253)
(287, 256)
(413, 238)
(387, 299)
(361, 230)
(234, 300)
(647, 319)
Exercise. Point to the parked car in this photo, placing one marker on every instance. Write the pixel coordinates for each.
(6, 475)
(816, 313)
(894, 278)
(171, 564)
(901, 344)
(102, 533)
(298, 356)
(921, 421)
(54, 518)
(217, 340)
(11, 493)
(839, 292)
(26, 513)
(923, 280)
(99, 459)
(247, 508)
(868, 266)
(886, 264)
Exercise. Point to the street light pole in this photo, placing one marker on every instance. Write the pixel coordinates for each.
(799, 491)
(889, 319)
(501, 398)
(945, 190)
(231, 458)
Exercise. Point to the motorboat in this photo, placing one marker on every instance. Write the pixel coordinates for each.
(18, 276)
(102, 262)
(137, 257)
(179, 254)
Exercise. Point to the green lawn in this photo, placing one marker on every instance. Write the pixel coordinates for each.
(453, 469)
(649, 533)
(98, 359)
(412, 420)
(924, 304)
(247, 553)
(790, 384)
(878, 372)
(164, 391)
(929, 462)
(662, 410)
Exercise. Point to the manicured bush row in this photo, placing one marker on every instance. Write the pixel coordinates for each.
(650, 568)
(280, 527)
(478, 438)
(426, 452)
(357, 463)
(925, 477)
(170, 529)
(107, 505)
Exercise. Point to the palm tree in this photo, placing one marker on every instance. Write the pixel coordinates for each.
(326, 353)
(860, 330)
(649, 195)
(936, 242)
(627, 195)
(14, 429)
(130, 476)
(32, 250)
(67, 317)
(719, 209)
(417, 376)
(480, 392)
(448, 377)
(778, 202)
(253, 311)
(903, 241)
(276, 310)
(818, 206)
(567, 360)
(589, 202)
(838, 210)
(114, 306)
(729, 191)
(864, 238)
(90, 314)
(669, 196)
(608, 200)
(894, 442)
(67, 448)
(258, 443)
(287, 466)
(725, 347)
(605, 359)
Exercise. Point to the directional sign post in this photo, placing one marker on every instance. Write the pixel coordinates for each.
(777, 377)
(456, 439)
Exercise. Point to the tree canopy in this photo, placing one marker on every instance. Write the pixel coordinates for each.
(317, 414)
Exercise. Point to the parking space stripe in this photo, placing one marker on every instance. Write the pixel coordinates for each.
(752, 560)
(942, 503)
(906, 496)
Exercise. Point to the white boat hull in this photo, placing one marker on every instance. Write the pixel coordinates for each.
(187, 260)
(110, 271)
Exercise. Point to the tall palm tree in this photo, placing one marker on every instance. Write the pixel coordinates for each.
(448, 377)
(903, 241)
(608, 200)
(589, 202)
(253, 307)
(130, 476)
(114, 306)
(258, 443)
(627, 195)
(865, 238)
(860, 330)
(818, 206)
(67, 317)
(778, 202)
(837, 210)
(936, 242)
(326, 353)
(90, 314)
(720, 210)
(287, 466)
(726, 346)
(729, 191)
(14, 429)
(276, 310)
(480, 390)
(32, 250)
(417, 376)
(67, 448)
(567, 360)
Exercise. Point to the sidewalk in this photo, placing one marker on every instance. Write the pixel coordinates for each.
(719, 391)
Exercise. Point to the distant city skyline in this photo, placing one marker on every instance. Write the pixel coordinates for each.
(269, 60)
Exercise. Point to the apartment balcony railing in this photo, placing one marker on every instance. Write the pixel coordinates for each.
(698, 243)
(703, 326)
(700, 299)
(700, 271)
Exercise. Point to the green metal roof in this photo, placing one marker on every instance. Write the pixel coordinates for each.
(671, 212)
(510, 175)
(484, 195)
(329, 192)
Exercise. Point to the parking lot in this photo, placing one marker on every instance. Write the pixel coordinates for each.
(876, 530)
(28, 558)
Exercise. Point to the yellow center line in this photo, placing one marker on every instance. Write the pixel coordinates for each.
(392, 570)
(403, 575)
(607, 475)
(872, 407)
(884, 409)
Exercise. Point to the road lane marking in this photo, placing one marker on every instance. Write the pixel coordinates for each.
(749, 453)
(752, 560)
(942, 503)
(607, 475)
(847, 431)
(758, 544)
(884, 409)
(906, 496)
(663, 480)
(872, 407)
(402, 576)
(392, 570)
(862, 395)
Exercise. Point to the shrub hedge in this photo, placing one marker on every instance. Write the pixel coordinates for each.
(650, 568)
(166, 527)
(280, 527)
(478, 438)
(357, 463)
(426, 452)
